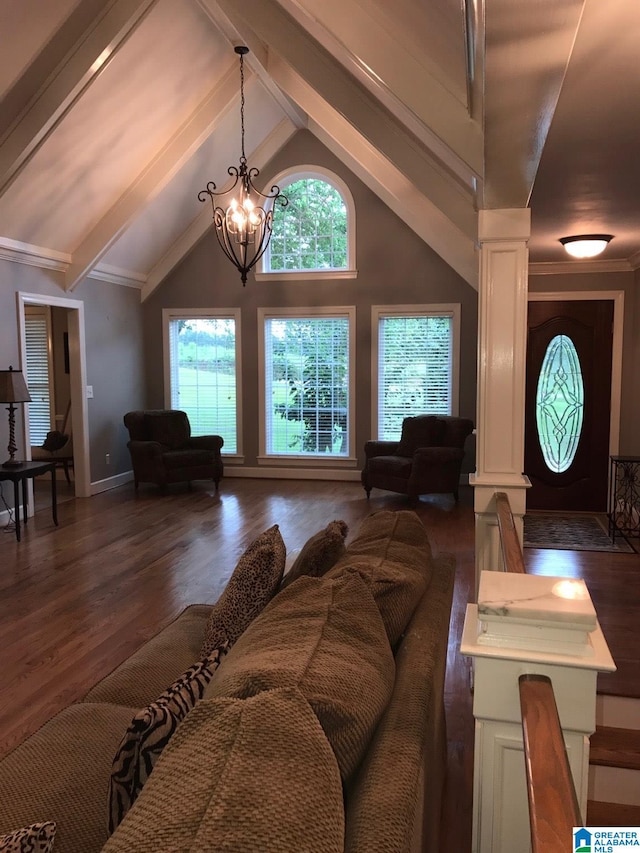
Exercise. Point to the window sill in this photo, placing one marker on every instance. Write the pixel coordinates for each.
(308, 461)
(306, 275)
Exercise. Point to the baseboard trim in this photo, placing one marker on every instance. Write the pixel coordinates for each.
(292, 473)
(111, 482)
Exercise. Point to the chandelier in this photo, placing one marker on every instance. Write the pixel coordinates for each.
(243, 217)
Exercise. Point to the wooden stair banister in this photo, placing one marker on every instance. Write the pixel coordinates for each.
(509, 541)
(553, 805)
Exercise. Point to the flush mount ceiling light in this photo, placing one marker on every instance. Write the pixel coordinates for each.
(243, 219)
(586, 245)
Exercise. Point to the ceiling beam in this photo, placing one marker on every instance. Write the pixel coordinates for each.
(154, 177)
(388, 182)
(314, 67)
(414, 90)
(256, 59)
(66, 66)
(528, 44)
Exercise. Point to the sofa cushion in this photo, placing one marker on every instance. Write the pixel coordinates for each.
(145, 674)
(37, 838)
(392, 553)
(254, 582)
(241, 776)
(421, 431)
(319, 553)
(326, 637)
(150, 731)
(61, 773)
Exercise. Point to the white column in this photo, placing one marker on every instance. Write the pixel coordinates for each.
(502, 339)
(527, 624)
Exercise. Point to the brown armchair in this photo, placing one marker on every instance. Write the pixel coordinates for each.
(426, 460)
(164, 451)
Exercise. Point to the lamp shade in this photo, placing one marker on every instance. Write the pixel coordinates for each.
(586, 245)
(13, 388)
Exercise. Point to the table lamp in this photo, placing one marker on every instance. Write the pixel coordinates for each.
(13, 389)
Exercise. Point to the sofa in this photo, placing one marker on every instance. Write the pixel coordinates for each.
(427, 460)
(321, 729)
(163, 450)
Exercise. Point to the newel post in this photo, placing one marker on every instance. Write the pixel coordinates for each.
(527, 624)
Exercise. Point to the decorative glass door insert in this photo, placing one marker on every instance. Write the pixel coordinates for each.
(560, 404)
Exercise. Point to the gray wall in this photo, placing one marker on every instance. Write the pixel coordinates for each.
(114, 342)
(394, 267)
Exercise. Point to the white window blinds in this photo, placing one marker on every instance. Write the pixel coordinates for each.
(203, 375)
(38, 376)
(414, 369)
(307, 385)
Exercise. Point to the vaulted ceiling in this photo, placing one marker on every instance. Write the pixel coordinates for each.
(115, 114)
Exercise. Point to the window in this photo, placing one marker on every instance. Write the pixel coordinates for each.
(415, 364)
(314, 234)
(202, 371)
(37, 328)
(307, 381)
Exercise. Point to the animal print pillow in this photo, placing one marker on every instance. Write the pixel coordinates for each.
(319, 553)
(254, 582)
(150, 731)
(37, 838)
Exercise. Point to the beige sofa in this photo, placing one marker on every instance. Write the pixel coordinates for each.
(343, 749)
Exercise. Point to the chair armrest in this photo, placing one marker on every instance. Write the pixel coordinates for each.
(380, 448)
(206, 442)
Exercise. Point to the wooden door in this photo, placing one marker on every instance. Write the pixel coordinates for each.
(568, 400)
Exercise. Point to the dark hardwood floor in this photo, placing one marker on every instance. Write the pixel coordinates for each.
(78, 599)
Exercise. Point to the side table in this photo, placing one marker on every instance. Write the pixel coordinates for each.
(624, 497)
(19, 476)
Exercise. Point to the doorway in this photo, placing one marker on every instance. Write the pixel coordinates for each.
(77, 380)
(568, 403)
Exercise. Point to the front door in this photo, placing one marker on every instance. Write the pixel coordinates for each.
(568, 398)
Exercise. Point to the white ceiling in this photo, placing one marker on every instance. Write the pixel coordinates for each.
(115, 114)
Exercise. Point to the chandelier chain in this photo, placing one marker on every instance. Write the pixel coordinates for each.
(243, 158)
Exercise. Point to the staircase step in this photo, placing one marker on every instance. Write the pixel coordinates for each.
(612, 814)
(614, 747)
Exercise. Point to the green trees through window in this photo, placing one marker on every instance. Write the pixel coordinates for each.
(307, 385)
(202, 354)
(310, 233)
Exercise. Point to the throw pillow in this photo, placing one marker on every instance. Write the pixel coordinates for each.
(37, 838)
(254, 582)
(150, 731)
(421, 431)
(319, 553)
(325, 637)
(392, 554)
(241, 775)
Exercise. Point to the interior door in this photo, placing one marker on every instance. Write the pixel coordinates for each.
(568, 400)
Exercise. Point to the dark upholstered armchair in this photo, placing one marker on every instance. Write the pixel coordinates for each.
(426, 460)
(163, 450)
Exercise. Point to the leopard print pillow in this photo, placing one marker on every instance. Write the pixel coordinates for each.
(254, 582)
(37, 838)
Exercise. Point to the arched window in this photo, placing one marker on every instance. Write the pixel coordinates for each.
(314, 235)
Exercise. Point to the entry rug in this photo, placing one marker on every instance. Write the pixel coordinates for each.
(572, 532)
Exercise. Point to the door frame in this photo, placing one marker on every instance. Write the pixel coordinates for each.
(78, 382)
(617, 297)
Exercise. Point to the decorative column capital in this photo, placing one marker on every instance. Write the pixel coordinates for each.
(498, 226)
